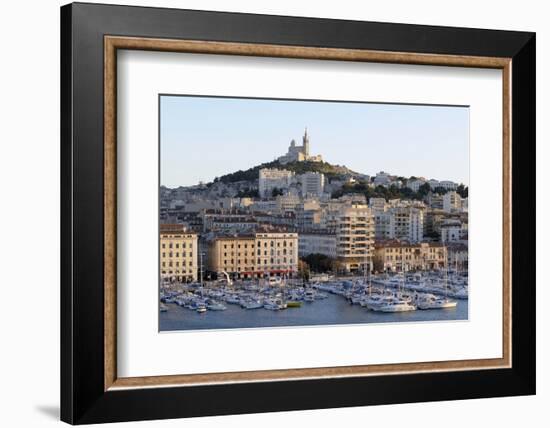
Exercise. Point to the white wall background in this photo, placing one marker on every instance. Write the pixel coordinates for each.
(29, 176)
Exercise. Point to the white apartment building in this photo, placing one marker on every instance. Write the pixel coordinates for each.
(272, 178)
(287, 203)
(382, 179)
(415, 185)
(452, 202)
(354, 230)
(313, 183)
(445, 184)
(377, 204)
(383, 225)
(404, 222)
(451, 231)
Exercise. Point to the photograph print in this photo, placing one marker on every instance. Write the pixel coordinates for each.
(288, 212)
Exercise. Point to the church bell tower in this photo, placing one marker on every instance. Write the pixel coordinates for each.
(305, 141)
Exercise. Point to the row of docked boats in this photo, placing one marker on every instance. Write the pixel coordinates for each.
(395, 293)
(247, 296)
(382, 293)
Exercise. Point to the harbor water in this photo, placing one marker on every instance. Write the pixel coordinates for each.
(334, 310)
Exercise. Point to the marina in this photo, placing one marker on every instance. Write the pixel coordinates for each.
(432, 296)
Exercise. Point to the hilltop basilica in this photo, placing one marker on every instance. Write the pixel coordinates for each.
(299, 153)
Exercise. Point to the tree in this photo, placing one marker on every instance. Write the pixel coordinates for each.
(424, 189)
(248, 193)
(319, 262)
(276, 192)
(462, 190)
(303, 271)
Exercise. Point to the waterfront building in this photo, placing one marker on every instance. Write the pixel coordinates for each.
(276, 253)
(457, 256)
(272, 178)
(313, 183)
(398, 256)
(354, 229)
(299, 153)
(256, 255)
(232, 254)
(317, 243)
(178, 253)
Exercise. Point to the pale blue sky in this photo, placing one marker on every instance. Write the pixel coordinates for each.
(203, 137)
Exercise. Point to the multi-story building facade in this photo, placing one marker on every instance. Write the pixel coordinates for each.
(383, 225)
(276, 254)
(378, 205)
(382, 179)
(256, 255)
(415, 185)
(457, 256)
(401, 221)
(354, 230)
(317, 243)
(452, 202)
(234, 255)
(444, 184)
(272, 178)
(408, 223)
(313, 183)
(398, 256)
(451, 231)
(178, 253)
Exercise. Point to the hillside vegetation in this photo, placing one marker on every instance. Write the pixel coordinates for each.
(330, 171)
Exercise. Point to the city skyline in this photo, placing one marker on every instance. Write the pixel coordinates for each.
(240, 133)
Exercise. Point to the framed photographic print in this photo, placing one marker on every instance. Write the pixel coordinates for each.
(277, 213)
